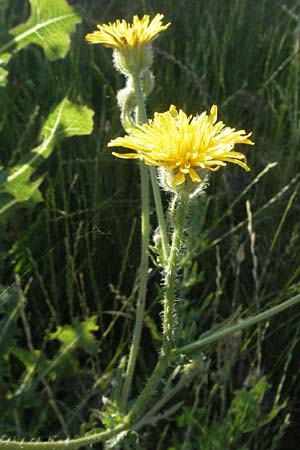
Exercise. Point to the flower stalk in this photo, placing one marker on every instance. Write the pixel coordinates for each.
(179, 211)
(165, 358)
(141, 117)
(160, 216)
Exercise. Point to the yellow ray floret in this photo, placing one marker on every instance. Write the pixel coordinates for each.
(121, 34)
(184, 144)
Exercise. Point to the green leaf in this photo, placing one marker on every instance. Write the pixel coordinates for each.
(3, 76)
(25, 356)
(246, 409)
(49, 26)
(65, 121)
(78, 335)
(9, 313)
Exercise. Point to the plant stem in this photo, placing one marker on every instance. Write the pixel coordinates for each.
(168, 317)
(151, 385)
(140, 307)
(190, 371)
(145, 232)
(70, 444)
(141, 114)
(178, 216)
(141, 117)
(202, 342)
(160, 216)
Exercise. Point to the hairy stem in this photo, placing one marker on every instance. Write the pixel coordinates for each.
(145, 232)
(141, 117)
(242, 325)
(70, 444)
(186, 378)
(178, 215)
(168, 317)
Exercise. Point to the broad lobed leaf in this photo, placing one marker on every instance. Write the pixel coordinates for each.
(49, 25)
(66, 120)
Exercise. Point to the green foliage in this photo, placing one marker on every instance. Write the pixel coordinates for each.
(77, 336)
(9, 313)
(65, 121)
(246, 414)
(49, 25)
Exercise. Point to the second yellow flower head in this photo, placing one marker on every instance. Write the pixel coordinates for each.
(185, 145)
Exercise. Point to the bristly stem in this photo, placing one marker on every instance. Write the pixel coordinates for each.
(70, 444)
(179, 210)
(141, 117)
(225, 331)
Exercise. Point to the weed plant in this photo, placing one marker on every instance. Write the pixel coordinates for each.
(69, 263)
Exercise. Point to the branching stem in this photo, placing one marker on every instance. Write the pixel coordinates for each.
(166, 356)
(141, 117)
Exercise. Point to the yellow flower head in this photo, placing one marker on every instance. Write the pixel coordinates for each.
(184, 145)
(130, 41)
(121, 34)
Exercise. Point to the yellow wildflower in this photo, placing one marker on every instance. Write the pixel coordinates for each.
(185, 145)
(130, 41)
(121, 35)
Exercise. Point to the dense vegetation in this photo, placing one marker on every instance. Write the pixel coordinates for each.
(70, 238)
